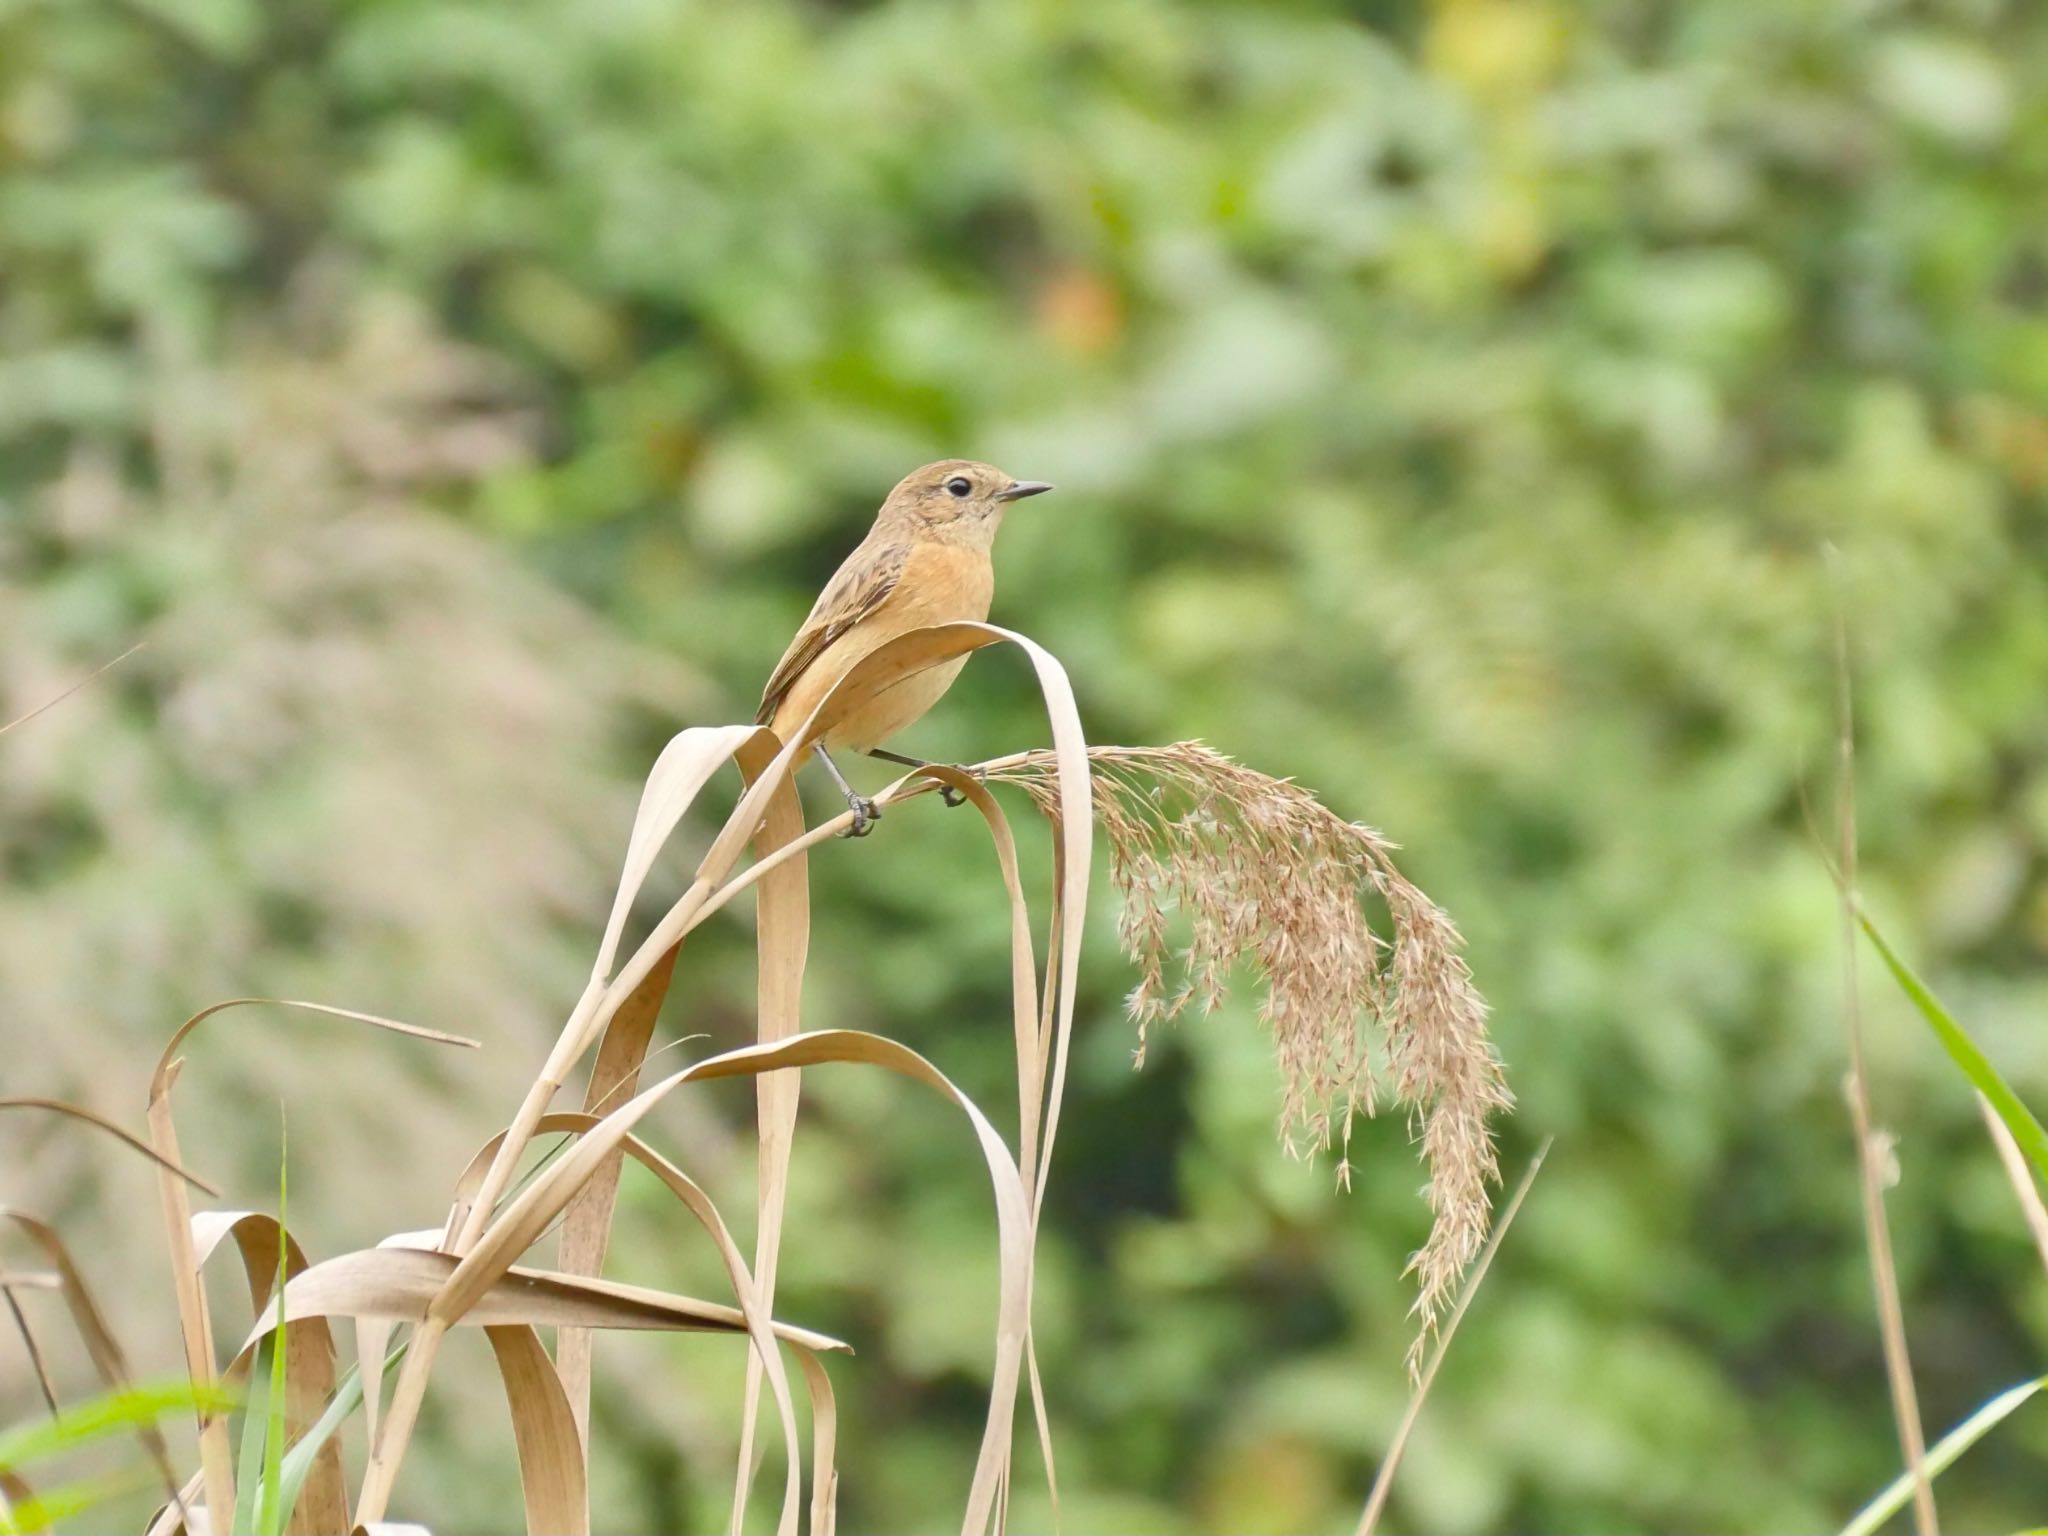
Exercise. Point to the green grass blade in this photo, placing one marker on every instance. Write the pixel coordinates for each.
(46, 1511)
(1942, 1456)
(113, 1413)
(1963, 1051)
(249, 1458)
(298, 1461)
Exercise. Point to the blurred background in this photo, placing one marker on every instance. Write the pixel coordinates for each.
(1453, 403)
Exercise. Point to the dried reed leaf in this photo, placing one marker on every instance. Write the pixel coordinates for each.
(488, 1243)
(2019, 1175)
(101, 1122)
(1261, 872)
(530, 1214)
(309, 1353)
(685, 766)
(587, 1226)
(594, 1012)
(401, 1284)
(14, 1492)
(171, 1518)
(35, 1352)
(782, 944)
(824, 1444)
(553, 1481)
(746, 1290)
(101, 1347)
(91, 677)
(1383, 1480)
(679, 775)
(373, 1341)
(195, 1324)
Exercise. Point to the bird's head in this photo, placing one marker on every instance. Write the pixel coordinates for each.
(957, 498)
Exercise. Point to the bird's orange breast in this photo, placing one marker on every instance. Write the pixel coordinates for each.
(940, 584)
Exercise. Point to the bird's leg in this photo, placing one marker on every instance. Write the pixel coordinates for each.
(947, 792)
(865, 815)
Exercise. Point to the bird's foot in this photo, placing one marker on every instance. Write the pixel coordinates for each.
(952, 796)
(865, 815)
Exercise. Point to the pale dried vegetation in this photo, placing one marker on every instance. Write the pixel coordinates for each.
(1247, 869)
(1261, 873)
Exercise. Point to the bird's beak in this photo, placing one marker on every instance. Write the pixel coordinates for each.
(1017, 490)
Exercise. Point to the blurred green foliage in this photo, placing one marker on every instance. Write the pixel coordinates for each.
(1452, 402)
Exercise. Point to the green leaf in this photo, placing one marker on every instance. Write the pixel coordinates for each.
(46, 1511)
(114, 1413)
(298, 1461)
(249, 1459)
(1964, 1052)
(1943, 1455)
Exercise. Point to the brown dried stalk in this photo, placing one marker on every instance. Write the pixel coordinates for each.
(1262, 872)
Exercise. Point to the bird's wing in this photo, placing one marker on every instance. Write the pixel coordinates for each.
(860, 586)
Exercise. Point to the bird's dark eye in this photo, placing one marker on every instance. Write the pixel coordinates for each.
(959, 485)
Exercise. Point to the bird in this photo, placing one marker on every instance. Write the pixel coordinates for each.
(927, 560)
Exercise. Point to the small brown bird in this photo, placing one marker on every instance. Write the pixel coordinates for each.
(926, 561)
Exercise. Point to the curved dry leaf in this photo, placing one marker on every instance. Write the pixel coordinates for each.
(101, 1122)
(552, 1478)
(684, 767)
(160, 1081)
(309, 1354)
(700, 1206)
(679, 775)
(100, 1345)
(401, 1284)
(824, 1444)
(529, 1215)
(195, 1324)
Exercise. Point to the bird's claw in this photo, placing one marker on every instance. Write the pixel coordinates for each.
(865, 815)
(953, 798)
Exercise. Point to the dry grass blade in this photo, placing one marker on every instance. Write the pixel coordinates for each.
(782, 948)
(746, 1290)
(86, 681)
(75, 1112)
(14, 1492)
(2021, 1176)
(401, 1284)
(1262, 872)
(552, 1477)
(1870, 1150)
(100, 1345)
(684, 767)
(530, 1214)
(160, 1081)
(1383, 1480)
(36, 1363)
(266, 1249)
(195, 1324)
(824, 1444)
(587, 1227)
